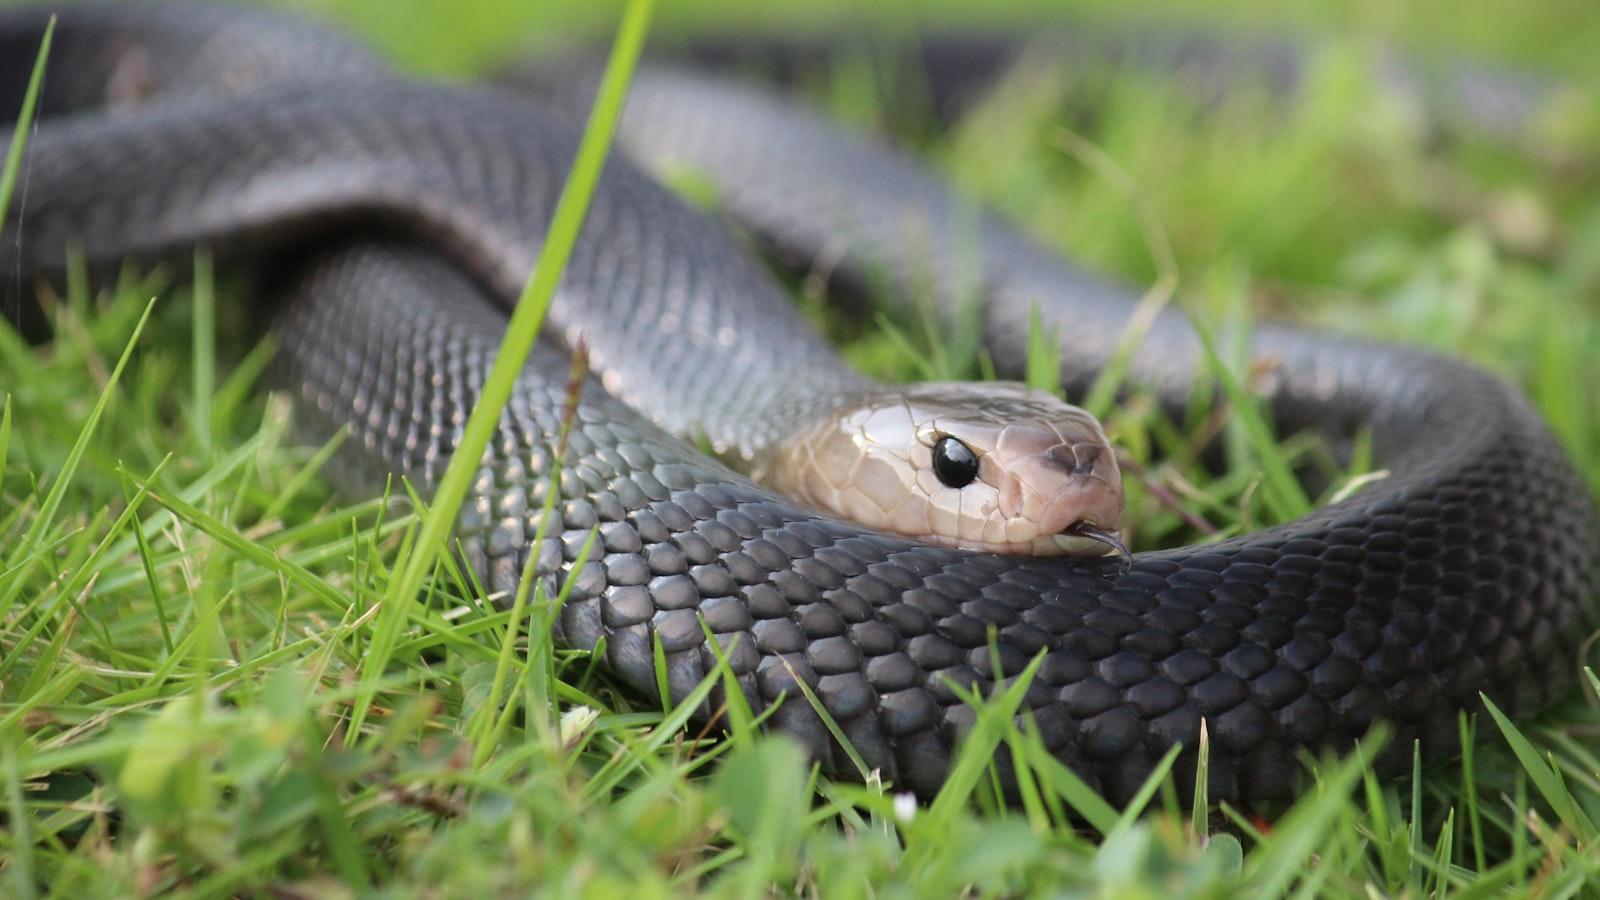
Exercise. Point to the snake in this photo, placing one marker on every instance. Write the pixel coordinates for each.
(390, 223)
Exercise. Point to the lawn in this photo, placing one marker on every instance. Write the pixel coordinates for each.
(187, 698)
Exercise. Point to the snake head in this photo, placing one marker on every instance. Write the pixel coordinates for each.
(995, 466)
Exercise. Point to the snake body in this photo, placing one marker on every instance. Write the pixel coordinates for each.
(401, 218)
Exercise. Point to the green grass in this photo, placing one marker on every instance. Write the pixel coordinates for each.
(210, 682)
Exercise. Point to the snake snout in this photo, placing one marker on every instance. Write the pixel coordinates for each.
(1066, 489)
(1086, 517)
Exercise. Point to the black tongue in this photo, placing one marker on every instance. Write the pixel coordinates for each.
(1110, 539)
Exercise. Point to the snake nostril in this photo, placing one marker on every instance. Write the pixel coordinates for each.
(1084, 458)
(1072, 460)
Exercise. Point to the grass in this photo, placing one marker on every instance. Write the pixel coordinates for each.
(207, 686)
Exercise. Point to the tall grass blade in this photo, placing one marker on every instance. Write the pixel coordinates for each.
(19, 133)
(523, 329)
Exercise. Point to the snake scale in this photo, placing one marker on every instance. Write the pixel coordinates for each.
(397, 220)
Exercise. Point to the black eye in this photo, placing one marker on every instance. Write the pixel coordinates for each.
(954, 462)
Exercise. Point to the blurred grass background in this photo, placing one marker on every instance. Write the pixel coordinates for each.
(446, 37)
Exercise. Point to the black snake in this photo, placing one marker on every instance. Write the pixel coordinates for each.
(400, 217)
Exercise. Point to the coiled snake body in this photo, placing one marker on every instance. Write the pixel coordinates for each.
(1468, 569)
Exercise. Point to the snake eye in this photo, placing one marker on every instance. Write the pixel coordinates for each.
(954, 462)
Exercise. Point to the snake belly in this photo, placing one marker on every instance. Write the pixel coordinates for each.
(401, 218)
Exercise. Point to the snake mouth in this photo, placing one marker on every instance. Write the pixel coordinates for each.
(1084, 529)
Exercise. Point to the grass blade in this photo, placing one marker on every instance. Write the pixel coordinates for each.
(204, 376)
(1545, 777)
(523, 329)
(19, 133)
